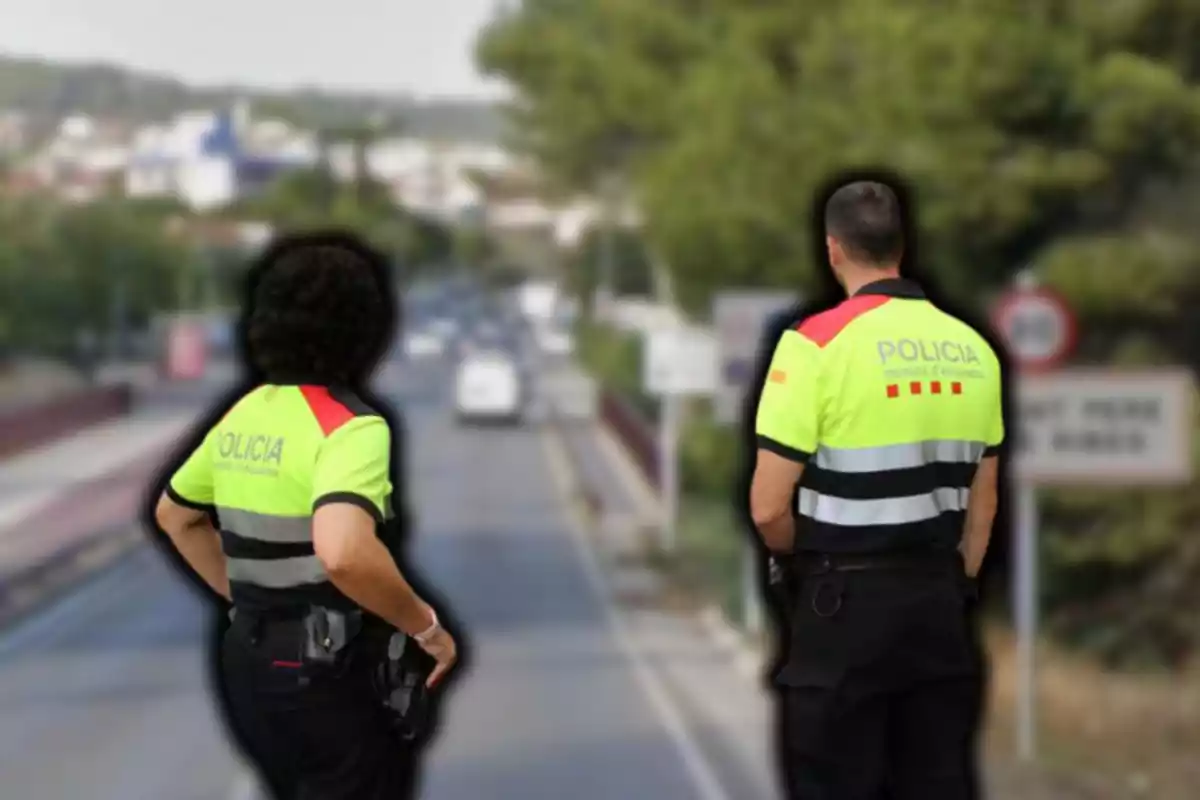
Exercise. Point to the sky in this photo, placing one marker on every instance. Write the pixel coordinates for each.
(418, 47)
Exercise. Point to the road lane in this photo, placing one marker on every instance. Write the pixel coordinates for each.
(113, 676)
(552, 706)
(104, 695)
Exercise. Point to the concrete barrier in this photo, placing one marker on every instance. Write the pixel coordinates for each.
(26, 427)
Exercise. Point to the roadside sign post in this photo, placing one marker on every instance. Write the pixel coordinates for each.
(1077, 426)
(678, 362)
(668, 459)
(1089, 426)
(1025, 595)
(1040, 331)
(740, 317)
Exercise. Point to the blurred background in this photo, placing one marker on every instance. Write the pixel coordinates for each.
(599, 213)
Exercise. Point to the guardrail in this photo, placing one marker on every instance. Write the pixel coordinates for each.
(634, 431)
(26, 427)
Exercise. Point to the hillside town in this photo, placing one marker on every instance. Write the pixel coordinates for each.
(209, 158)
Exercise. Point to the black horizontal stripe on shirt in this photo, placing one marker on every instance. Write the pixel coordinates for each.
(354, 499)
(236, 546)
(938, 535)
(781, 449)
(889, 483)
(179, 499)
(252, 597)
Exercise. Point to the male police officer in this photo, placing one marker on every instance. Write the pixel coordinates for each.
(298, 474)
(887, 412)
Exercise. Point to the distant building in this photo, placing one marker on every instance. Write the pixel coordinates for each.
(82, 160)
(14, 132)
(209, 159)
(431, 178)
(516, 200)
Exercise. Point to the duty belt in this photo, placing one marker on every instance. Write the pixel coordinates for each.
(327, 632)
(398, 668)
(823, 563)
(830, 572)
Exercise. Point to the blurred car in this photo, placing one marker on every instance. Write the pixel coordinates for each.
(487, 329)
(488, 388)
(423, 344)
(444, 326)
(554, 341)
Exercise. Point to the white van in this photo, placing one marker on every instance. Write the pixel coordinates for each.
(488, 389)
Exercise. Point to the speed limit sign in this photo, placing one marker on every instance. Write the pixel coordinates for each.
(1037, 326)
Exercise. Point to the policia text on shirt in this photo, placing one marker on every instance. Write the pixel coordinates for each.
(887, 412)
(322, 683)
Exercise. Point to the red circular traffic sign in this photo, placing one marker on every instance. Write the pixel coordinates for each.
(1037, 326)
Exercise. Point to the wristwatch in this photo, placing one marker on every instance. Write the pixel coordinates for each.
(424, 636)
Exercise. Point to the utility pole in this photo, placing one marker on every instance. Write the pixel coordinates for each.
(606, 277)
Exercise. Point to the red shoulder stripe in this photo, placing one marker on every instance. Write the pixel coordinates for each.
(822, 328)
(330, 414)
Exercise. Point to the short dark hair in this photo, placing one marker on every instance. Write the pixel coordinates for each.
(320, 310)
(866, 218)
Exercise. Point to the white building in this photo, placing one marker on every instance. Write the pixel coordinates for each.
(209, 159)
(83, 160)
(429, 177)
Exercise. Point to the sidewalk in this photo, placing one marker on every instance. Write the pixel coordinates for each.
(709, 651)
(62, 496)
(727, 715)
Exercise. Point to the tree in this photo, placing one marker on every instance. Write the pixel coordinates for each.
(1040, 133)
(95, 267)
(630, 264)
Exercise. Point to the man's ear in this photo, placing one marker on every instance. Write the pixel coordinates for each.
(834, 249)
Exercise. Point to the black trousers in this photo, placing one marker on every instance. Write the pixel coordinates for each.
(314, 734)
(882, 688)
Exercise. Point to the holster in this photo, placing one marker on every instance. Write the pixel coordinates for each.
(399, 676)
(327, 634)
(783, 582)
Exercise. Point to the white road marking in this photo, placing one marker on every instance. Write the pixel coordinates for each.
(699, 771)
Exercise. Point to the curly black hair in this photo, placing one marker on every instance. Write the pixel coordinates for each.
(320, 310)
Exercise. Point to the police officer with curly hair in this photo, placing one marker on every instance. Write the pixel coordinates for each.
(285, 510)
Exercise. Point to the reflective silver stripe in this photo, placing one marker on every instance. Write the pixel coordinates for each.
(277, 573)
(888, 511)
(899, 456)
(266, 527)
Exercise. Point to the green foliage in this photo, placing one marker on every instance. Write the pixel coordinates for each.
(1060, 135)
(1014, 127)
(307, 199)
(615, 359)
(1045, 133)
(63, 267)
(710, 458)
(630, 264)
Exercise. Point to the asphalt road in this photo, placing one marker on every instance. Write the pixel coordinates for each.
(103, 695)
